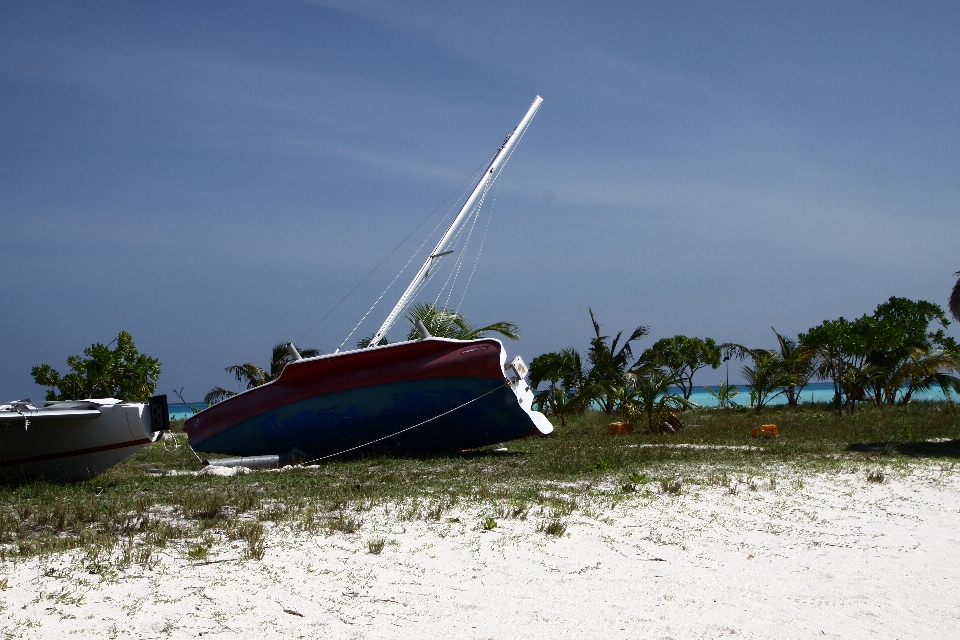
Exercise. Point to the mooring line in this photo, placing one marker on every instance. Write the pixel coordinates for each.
(191, 449)
(419, 424)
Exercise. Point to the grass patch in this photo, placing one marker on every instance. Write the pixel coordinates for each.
(376, 545)
(553, 528)
(250, 531)
(343, 524)
(127, 516)
(198, 552)
(671, 486)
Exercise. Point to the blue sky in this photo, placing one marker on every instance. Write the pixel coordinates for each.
(214, 177)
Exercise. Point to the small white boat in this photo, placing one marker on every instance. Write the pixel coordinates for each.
(75, 439)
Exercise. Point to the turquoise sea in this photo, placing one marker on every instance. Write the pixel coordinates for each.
(180, 411)
(815, 392)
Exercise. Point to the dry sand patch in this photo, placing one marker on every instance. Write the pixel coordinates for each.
(816, 554)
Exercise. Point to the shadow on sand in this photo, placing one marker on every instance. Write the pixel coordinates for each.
(926, 449)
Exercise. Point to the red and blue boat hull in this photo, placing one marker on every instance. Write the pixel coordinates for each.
(426, 396)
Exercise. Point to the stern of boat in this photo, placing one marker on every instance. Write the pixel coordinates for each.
(516, 375)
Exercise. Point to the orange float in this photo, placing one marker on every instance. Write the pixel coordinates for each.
(619, 428)
(765, 431)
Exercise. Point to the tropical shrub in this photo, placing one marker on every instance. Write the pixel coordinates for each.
(121, 372)
(798, 361)
(724, 394)
(682, 357)
(567, 380)
(887, 356)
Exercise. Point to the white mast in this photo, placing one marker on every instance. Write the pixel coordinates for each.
(438, 251)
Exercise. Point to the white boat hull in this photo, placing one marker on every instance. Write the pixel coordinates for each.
(77, 444)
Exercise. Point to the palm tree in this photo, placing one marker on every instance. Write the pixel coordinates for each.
(647, 392)
(901, 370)
(562, 369)
(767, 374)
(904, 354)
(444, 323)
(609, 365)
(568, 382)
(254, 376)
(555, 402)
(724, 394)
(798, 360)
(927, 369)
(955, 299)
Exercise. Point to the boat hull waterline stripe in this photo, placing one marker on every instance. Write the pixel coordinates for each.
(76, 452)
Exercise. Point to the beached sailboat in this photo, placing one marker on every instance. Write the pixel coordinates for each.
(426, 395)
(75, 439)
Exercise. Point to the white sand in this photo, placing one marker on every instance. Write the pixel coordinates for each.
(819, 555)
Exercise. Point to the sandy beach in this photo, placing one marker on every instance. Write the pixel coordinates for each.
(810, 554)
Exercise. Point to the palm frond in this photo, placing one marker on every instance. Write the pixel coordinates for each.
(363, 343)
(217, 394)
(955, 299)
(253, 376)
(249, 373)
(596, 325)
(767, 378)
(280, 357)
(734, 351)
(507, 329)
(444, 323)
(788, 346)
(439, 321)
(648, 392)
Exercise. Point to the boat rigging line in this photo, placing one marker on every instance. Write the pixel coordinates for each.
(400, 273)
(386, 257)
(455, 271)
(380, 297)
(476, 260)
(466, 210)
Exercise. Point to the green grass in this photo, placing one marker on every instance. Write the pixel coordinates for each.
(130, 515)
(671, 486)
(553, 528)
(375, 545)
